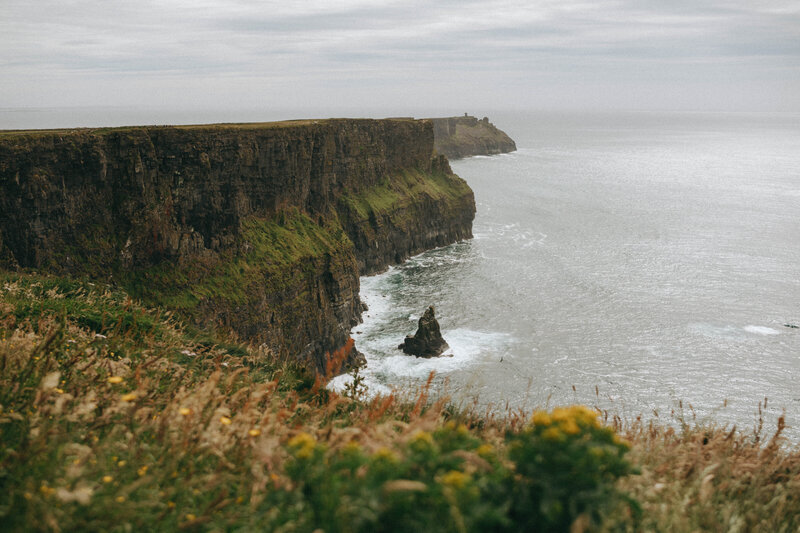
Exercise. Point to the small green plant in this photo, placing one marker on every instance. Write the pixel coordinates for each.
(356, 389)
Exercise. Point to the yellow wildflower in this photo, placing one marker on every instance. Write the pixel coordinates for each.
(255, 432)
(131, 396)
(552, 433)
(485, 450)
(561, 414)
(541, 418)
(570, 427)
(185, 411)
(120, 499)
(302, 440)
(115, 379)
(225, 421)
(171, 504)
(303, 445)
(584, 415)
(121, 463)
(421, 437)
(142, 471)
(190, 517)
(455, 479)
(107, 479)
(385, 454)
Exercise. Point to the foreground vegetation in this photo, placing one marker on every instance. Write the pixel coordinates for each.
(114, 417)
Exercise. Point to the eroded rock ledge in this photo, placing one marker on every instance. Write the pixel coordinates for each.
(262, 229)
(457, 137)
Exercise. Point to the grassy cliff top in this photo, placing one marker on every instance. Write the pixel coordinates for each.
(209, 127)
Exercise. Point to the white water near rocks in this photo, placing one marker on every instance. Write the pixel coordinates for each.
(653, 256)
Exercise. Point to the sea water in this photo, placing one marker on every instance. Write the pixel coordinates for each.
(645, 263)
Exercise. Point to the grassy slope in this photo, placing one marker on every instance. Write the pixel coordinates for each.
(116, 417)
(271, 249)
(397, 192)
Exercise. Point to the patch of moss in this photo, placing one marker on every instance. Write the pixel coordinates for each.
(403, 189)
(275, 251)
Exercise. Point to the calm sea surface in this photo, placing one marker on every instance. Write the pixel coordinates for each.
(654, 258)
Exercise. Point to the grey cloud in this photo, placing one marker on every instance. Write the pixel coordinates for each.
(280, 47)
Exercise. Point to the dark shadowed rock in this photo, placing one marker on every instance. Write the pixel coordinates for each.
(427, 341)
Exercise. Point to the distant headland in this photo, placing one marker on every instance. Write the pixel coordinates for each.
(457, 137)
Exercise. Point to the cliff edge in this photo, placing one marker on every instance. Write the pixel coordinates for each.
(457, 137)
(258, 229)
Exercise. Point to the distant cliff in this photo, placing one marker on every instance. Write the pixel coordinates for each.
(466, 136)
(262, 229)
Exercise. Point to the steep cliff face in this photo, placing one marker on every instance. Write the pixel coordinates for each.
(262, 229)
(458, 137)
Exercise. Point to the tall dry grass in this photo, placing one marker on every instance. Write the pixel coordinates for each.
(115, 417)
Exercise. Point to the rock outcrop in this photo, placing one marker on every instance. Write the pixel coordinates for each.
(259, 229)
(427, 341)
(457, 137)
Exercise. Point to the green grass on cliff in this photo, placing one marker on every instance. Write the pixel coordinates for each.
(113, 417)
(403, 189)
(211, 127)
(275, 249)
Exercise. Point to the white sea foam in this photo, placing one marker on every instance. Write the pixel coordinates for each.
(466, 348)
(761, 330)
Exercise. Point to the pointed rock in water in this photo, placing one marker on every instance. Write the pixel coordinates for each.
(427, 341)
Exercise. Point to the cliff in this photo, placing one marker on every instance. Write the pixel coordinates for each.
(457, 137)
(259, 229)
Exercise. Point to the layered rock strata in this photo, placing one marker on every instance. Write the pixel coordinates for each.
(262, 229)
(457, 137)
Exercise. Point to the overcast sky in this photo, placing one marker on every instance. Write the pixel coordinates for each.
(402, 56)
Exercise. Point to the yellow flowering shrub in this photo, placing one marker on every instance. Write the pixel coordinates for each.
(569, 463)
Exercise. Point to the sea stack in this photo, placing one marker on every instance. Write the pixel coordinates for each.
(427, 341)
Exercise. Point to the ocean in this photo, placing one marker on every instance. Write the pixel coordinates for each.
(644, 263)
